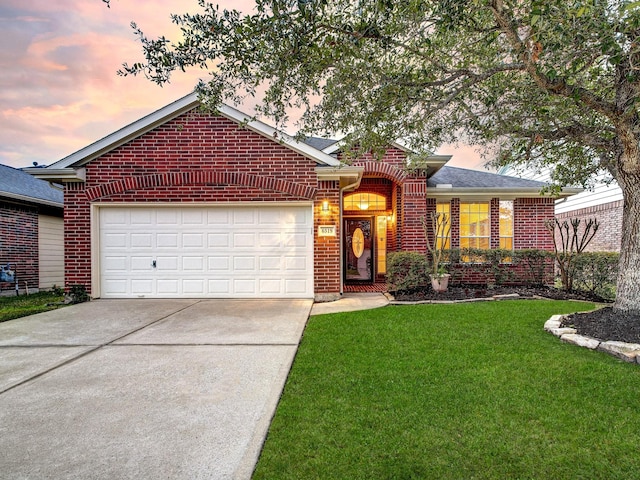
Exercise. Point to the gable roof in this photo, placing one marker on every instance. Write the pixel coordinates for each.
(450, 181)
(68, 167)
(18, 185)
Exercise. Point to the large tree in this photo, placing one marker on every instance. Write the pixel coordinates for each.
(549, 83)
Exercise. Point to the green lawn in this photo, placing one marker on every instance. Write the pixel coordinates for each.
(466, 391)
(19, 306)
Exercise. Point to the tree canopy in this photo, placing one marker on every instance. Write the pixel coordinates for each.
(542, 81)
(550, 83)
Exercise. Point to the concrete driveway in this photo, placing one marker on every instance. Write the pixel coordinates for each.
(144, 388)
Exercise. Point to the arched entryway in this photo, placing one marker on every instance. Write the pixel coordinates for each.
(369, 231)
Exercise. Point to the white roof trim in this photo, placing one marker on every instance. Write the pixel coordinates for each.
(26, 198)
(173, 110)
(63, 175)
(464, 192)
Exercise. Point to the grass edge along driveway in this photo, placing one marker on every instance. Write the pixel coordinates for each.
(465, 391)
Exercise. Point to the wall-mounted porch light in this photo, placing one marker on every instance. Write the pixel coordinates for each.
(325, 206)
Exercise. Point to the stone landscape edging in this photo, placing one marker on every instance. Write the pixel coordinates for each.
(628, 352)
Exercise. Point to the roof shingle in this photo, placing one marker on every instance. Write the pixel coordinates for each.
(14, 182)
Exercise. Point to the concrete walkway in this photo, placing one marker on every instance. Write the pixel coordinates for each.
(351, 302)
(144, 388)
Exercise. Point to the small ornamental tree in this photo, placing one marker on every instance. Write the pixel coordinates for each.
(436, 229)
(569, 241)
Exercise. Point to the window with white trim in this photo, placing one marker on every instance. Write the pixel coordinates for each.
(506, 224)
(444, 238)
(475, 225)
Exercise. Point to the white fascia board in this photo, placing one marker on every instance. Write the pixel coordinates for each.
(58, 175)
(488, 193)
(26, 198)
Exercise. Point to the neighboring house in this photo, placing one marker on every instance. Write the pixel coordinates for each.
(31, 230)
(604, 202)
(183, 203)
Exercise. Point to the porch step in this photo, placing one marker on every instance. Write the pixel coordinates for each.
(375, 287)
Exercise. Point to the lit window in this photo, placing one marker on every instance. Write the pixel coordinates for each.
(506, 224)
(475, 227)
(364, 201)
(444, 237)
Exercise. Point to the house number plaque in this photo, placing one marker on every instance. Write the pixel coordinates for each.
(326, 230)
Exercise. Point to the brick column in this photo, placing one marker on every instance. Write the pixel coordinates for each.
(414, 208)
(494, 218)
(77, 236)
(455, 223)
(327, 249)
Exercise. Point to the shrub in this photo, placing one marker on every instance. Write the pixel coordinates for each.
(596, 272)
(406, 271)
(536, 265)
(500, 266)
(78, 294)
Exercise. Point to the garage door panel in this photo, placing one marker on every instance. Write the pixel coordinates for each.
(115, 264)
(271, 286)
(217, 264)
(193, 287)
(166, 216)
(193, 217)
(220, 287)
(141, 263)
(114, 217)
(262, 251)
(193, 240)
(167, 240)
(293, 287)
(244, 286)
(270, 263)
(169, 264)
(115, 240)
(219, 240)
(218, 216)
(244, 240)
(296, 240)
(245, 216)
(141, 240)
(244, 264)
(272, 239)
(168, 287)
(299, 264)
(142, 286)
(141, 217)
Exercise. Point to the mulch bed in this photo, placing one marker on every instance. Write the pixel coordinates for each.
(466, 292)
(606, 325)
(603, 324)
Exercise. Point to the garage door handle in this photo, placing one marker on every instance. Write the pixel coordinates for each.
(153, 264)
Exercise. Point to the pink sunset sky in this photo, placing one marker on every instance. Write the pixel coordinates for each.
(59, 90)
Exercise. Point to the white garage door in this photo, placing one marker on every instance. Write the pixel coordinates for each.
(210, 252)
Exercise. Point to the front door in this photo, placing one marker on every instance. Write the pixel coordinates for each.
(359, 250)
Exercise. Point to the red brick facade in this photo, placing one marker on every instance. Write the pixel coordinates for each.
(198, 158)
